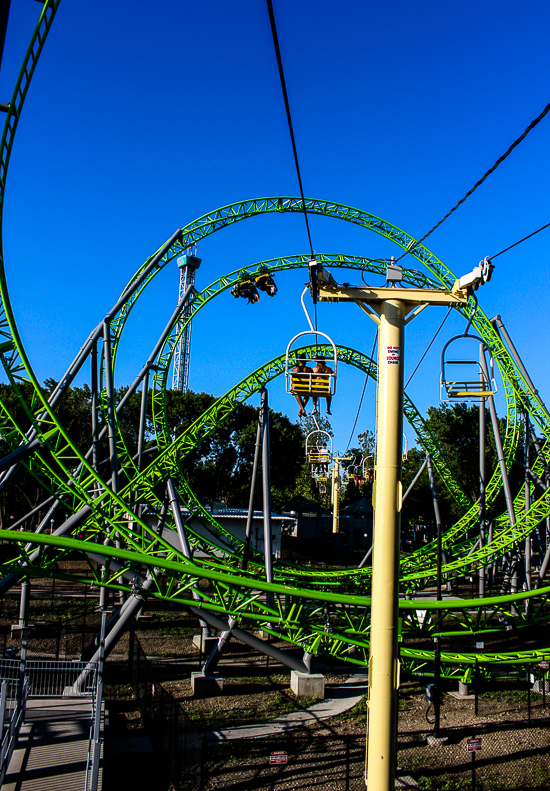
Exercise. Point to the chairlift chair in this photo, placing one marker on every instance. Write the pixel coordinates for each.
(312, 448)
(368, 472)
(470, 387)
(310, 384)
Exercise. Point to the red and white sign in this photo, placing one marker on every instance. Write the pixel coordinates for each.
(278, 757)
(473, 745)
(393, 355)
(544, 665)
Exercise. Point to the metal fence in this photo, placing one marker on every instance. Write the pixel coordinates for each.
(11, 719)
(175, 740)
(495, 738)
(51, 679)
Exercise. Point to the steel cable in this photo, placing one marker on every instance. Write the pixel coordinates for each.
(520, 241)
(481, 180)
(362, 395)
(288, 116)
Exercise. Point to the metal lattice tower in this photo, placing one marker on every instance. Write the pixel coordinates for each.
(188, 265)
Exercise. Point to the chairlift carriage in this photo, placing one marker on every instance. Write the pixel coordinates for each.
(368, 471)
(313, 454)
(310, 384)
(474, 384)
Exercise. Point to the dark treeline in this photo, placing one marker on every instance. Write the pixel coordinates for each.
(220, 468)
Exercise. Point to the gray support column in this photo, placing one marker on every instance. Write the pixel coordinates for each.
(95, 407)
(257, 449)
(20, 453)
(266, 480)
(437, 514)
(215, 655)
(482, 475)
(96, 746)
(367, 556)
(111, 425)
(500, 452)
(545, 542)
(498, 324)
(527, 493)
(415, 479)
(120, 622)
(437, 645)
(24, 602)
(142, 419)
(175, 506)
(254, 642)
(110, 389)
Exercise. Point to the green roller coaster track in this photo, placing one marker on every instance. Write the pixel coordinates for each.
(328, 613)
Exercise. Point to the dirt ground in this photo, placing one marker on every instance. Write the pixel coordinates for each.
(329, 754)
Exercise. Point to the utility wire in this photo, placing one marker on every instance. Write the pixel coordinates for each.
(480, 182)
(362, 394)
(428, 349)
(520, 241)
(288, 116)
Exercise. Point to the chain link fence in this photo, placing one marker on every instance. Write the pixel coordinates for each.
(176, 742)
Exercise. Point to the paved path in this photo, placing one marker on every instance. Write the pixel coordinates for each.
(53, 746)
(344, 698)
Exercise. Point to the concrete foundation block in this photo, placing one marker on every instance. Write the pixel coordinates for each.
(541, 686)
(204, 644)
(463, 689)
(307, 685)
(206, 686)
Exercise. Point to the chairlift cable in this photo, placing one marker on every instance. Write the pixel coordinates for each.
(480, 182)
(428, 348)
(520, 241)
(362, 396)
(288, 116)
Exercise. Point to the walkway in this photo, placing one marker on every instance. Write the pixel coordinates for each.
(52, 749)
(344, 698)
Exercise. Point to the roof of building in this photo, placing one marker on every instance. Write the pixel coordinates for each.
(301, 504)
(362, 506)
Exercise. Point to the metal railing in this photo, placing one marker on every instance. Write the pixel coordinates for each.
(93, 762)
(11, 735)
(51, 679)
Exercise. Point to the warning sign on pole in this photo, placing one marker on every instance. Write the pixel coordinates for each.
(393, 355)
(474, 745)
(278, 757)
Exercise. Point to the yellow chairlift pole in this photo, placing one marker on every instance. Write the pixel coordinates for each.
(391, 309)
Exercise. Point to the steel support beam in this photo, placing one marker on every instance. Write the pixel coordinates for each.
(250, 516)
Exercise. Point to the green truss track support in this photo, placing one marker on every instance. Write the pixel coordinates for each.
(328, 613)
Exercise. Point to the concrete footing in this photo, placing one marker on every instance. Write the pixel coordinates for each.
(540, 685)
(463, 689)
(307, 685)
(206, 686)
(204, 644)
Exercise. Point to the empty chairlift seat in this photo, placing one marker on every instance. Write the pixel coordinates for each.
(464, 379)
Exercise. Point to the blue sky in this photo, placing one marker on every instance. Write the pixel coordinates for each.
(141, 118)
